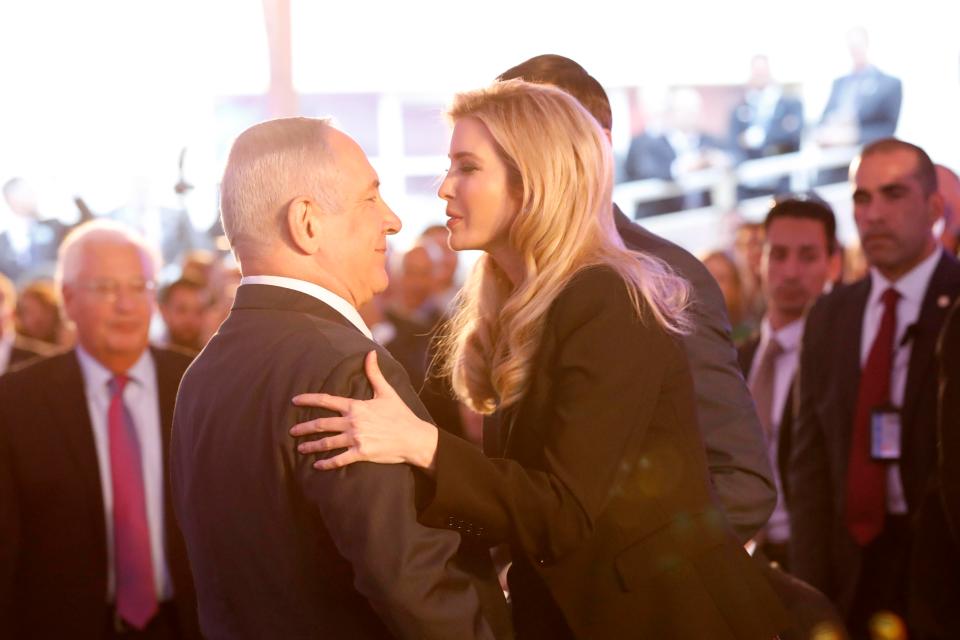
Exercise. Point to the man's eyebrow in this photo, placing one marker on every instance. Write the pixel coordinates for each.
(892, 188)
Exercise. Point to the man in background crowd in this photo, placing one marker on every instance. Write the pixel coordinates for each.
(864, 105)
(865, 447)
(672, 146)
(183, 306)
(88, 543)
(766, 122)
(799, 259)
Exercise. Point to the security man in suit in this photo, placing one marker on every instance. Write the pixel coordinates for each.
(865, 448)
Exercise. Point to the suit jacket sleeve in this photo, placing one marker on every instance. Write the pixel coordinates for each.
(407, 571)
(736, 452)
(607, 364)
(809, 472)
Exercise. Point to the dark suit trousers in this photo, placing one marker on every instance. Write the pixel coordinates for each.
(883, 578)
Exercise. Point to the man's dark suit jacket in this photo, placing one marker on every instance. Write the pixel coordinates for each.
(822, 550)
(935, 568)
(651, 156)
(948, 425)
(53, 545)
(877, 102)
(279, 549)
(783, 130)
(736, 452)
(746, 353)
(603, 492)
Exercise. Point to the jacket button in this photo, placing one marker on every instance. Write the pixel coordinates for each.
(541, 562)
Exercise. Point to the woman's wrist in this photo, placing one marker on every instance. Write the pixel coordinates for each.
(424, 452)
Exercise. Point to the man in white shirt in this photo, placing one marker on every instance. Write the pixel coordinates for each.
(278, 549)
(865, 446)
(89, 545)
(799, 258)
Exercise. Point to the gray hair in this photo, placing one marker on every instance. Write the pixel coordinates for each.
(100, 231)
(270, 164)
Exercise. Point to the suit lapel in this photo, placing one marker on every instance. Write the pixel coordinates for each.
(849, 335)
(943, 288)
(68, 400)
(168, 381)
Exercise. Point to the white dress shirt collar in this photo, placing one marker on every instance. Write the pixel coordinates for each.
(97, 376)
(322, 294)
(789, 335)
(911, 286)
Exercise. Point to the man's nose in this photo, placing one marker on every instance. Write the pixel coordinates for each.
(392, 222)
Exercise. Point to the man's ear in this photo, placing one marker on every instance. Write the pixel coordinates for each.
(68, 296)
(935, 204)
(304, 219)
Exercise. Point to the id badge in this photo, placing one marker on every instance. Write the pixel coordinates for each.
(885, 431)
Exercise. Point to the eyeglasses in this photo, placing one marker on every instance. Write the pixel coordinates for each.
(110, 290)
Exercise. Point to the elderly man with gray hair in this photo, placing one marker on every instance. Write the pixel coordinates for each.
(88, 543)
(277, 549)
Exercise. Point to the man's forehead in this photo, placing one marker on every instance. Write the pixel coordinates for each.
(886, 167)
(108, 255)
(796, 232)
(351, 163)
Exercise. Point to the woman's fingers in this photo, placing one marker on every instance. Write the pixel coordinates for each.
(334, 424)
(381, 388)
(341, 460)
(323, 401)
(330, 443)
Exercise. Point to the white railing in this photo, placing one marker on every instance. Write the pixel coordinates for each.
(703, 229)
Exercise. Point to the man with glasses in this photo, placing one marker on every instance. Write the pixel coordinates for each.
(88, 543)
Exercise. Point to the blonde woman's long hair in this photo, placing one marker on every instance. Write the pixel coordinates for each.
(560, 167)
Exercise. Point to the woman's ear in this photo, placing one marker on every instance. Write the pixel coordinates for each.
(304, 220)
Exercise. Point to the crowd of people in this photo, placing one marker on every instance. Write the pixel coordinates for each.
(593, 435)
(767, 121)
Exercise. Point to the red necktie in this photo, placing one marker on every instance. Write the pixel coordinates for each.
(136, 597)
(866, 477)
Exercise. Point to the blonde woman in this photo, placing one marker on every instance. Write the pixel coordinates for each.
(601, 490)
